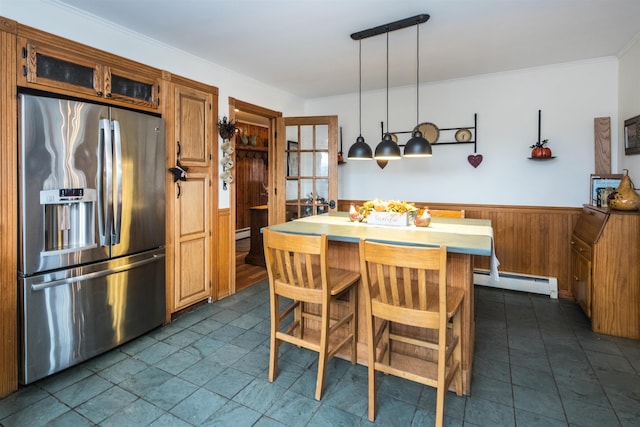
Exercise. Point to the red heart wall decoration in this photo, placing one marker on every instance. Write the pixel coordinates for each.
(475, 159)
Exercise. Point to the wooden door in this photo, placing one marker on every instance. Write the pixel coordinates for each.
(192, 201)
(192, 255)
(581, 286)
(193, 127)
(306, 170)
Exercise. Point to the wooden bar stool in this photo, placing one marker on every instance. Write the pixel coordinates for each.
(298, 270)
(407, 285)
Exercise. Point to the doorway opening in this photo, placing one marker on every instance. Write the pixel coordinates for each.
(249, 198)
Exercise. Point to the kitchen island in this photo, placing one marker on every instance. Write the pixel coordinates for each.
(463, 237)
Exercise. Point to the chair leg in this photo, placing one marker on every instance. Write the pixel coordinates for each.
(354, 323)
(324, 347)
(442, 371)
(457, 352)
(274, 343)
(371, 360)
(440, 405)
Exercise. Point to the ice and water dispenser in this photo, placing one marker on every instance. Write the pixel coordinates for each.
(69, 219)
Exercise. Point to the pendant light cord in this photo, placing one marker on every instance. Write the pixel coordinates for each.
(387, 80)
(360, 84)
(417, 72)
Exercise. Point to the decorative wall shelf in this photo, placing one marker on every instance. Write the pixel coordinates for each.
(539, 146)
(541, 158)
(453, 131)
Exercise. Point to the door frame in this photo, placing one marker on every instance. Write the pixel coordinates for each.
(272, 116)
(276, 159)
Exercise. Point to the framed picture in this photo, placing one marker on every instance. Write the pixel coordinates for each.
(600, 182)
(632, 135)
(293, 158)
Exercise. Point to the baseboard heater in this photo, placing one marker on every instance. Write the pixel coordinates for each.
(519, 282)
(243, 233)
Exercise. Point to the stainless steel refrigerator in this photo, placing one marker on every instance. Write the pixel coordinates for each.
(92, 230)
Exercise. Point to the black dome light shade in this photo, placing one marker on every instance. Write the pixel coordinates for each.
(417, 146)
(387, 149)
(360, 150)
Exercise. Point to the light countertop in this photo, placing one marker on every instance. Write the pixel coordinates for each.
(460, 235)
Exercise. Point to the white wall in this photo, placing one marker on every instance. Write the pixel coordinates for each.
(629, 105)
(64, 21)
(569, 95)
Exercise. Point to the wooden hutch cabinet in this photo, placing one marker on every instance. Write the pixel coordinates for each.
(605, 260)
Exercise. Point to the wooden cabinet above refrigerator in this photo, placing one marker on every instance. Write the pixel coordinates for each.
(55, 64)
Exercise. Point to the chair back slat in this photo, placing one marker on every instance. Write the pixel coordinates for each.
(381, 290)
(422, 290)
(392, 285)
(406, 280)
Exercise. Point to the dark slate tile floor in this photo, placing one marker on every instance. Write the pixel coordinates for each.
(536, 363)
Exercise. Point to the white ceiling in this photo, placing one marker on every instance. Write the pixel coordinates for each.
(304, 46)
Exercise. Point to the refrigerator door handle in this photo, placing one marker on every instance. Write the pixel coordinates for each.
(44, 285)
(117, 149)
(105, 183)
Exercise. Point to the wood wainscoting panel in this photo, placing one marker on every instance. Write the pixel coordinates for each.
(533, 240)
(226, 256)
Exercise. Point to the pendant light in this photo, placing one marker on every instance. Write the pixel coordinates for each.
(417, 146)
(360, 150)
(387, 149)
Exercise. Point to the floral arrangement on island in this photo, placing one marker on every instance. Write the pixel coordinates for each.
(362, 212)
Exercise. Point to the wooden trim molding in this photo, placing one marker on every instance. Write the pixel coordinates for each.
(231, 243)
(8, 214)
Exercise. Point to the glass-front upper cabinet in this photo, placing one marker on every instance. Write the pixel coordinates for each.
(70, 72)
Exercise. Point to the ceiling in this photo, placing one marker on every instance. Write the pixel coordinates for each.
(304, 47)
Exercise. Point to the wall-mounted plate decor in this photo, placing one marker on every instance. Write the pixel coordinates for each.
(430, 132)
(463, 135)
